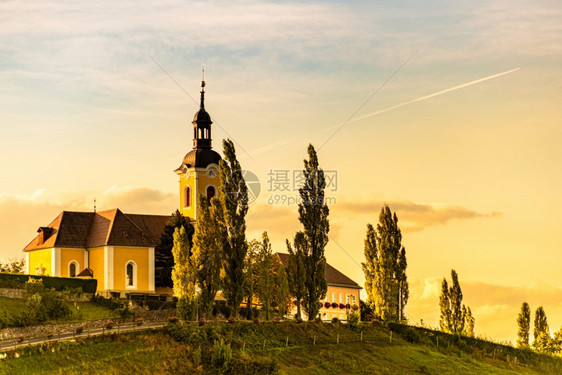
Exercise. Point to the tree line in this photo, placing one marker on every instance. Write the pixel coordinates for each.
(215, 256)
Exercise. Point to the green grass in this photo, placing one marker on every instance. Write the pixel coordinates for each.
(81, 311)
(174, 351)
(90, 311)
(11, 306)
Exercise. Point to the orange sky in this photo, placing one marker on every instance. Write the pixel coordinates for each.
(474, 173)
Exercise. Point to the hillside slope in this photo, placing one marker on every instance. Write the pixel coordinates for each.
(283, 348)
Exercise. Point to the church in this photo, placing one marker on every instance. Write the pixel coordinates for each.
(117, 249)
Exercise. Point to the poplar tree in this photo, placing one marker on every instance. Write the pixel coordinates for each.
(251, 274)
(234, 200)
(313, 215)
(469, 323)
(453, 312)
(163, 257)
(207, 246)
(369, 266)
(183, 274)
(445, 317)
(296, 273)
(524, 325)
(385, 268)
(541, 324)
(266, 280)
(281, 298)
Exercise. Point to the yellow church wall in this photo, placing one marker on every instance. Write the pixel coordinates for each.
(40, 258)
(203, 181)
(188, 211)
(68, 255)
(139, 255)
(96, 264)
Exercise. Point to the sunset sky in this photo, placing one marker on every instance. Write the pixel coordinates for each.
(88, 109)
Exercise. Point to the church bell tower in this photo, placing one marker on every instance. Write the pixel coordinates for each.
(199, 170)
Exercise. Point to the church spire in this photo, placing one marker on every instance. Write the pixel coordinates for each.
(202, 121)
(202, 105)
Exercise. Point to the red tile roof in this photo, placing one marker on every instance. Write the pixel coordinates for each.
(104, 228)
(333, 276)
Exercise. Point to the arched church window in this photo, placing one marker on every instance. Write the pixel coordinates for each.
(211, 192)
(187, 194)
(72, 269)
(131, 275)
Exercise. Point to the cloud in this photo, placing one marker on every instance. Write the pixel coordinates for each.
(415, 216)
(22, 214)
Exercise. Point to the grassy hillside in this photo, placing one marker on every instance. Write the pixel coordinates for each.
(81, 311)
(189, 349)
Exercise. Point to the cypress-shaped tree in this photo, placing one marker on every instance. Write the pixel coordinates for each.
(313, 215)
(163, 257)
(233, 194)
(282, 298)
(296, 272)
(207, 248)
(541, 324)
(524, 325)
(385, 267)
(445, 317)
(371, 257)
(183, 274)
(453, 312)
(266, 279)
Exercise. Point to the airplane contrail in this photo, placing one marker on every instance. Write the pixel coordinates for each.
(435, 94)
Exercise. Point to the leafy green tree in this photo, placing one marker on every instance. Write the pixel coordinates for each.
(266, 280)
(524, 325)
(541, 331)
(453, 312)
(234, 200)
(385, 268)
(445, 317)
(251, 274)
(163, 257)
(313, 215)
(296, 272)
(369, 266)
(469, 322)
(183, 274)
(207, 247)
(282, 297)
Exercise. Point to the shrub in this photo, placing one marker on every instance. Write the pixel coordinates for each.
(57, 283)
(353, 319)
(411, 335)
(108, 324)
(222, 354)
(186, 308)
(79, 329)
